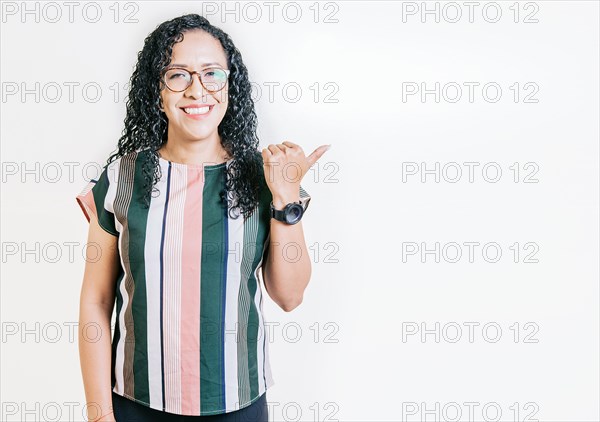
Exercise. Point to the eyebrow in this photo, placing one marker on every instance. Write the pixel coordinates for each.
(203, 65)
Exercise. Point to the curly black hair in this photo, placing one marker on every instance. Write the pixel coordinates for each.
(146, 125)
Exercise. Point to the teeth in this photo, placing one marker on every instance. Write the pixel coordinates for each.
(194, 110)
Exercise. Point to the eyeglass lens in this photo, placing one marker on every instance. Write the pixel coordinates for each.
(213, 79)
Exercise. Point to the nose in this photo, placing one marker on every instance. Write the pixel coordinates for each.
(196, 89)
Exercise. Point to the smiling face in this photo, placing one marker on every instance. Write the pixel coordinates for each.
(197, 51)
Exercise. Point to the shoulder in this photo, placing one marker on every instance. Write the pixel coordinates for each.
(125, 164)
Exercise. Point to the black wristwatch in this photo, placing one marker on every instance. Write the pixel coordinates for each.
(291, 213)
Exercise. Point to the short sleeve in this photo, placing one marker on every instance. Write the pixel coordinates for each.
(304, 197)
(95, 199)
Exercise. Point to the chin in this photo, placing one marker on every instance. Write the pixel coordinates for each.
(201, 133)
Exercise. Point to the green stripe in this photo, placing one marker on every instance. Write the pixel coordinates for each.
(212, 271)
(106, 219)
(137, 218)
(117, 336)
(252, 332)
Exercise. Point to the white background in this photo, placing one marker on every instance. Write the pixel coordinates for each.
(359, 368)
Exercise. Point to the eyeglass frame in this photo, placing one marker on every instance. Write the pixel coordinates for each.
(192, 73)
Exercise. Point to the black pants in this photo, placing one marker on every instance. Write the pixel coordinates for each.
(126, 410)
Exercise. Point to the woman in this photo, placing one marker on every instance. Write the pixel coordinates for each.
(183, 218)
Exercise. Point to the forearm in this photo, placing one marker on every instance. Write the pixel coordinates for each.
(95, 359)
(288, 267)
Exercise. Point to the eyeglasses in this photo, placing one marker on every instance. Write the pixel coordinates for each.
(213, 79)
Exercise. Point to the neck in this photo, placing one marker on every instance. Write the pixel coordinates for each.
(198, 152)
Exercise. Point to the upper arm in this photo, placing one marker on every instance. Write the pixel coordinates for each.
(97, 198)
(102, 266)
(264, 260)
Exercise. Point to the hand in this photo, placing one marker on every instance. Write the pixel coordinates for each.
(285, 165)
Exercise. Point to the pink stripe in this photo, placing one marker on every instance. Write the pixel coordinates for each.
(190, 295)
(174, 233)
(87, 203)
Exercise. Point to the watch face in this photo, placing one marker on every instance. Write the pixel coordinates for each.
(293, 213)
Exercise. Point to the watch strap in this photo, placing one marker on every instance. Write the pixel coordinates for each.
(277, 214)
(304, 201)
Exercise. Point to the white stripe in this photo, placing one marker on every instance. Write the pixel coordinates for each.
(112, 173)
(244, 309)
(234, 258)
(262, 334)
(152, 262)
(264, 372)
(113, 177)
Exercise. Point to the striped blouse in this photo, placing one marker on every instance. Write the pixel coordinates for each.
(190, 335)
